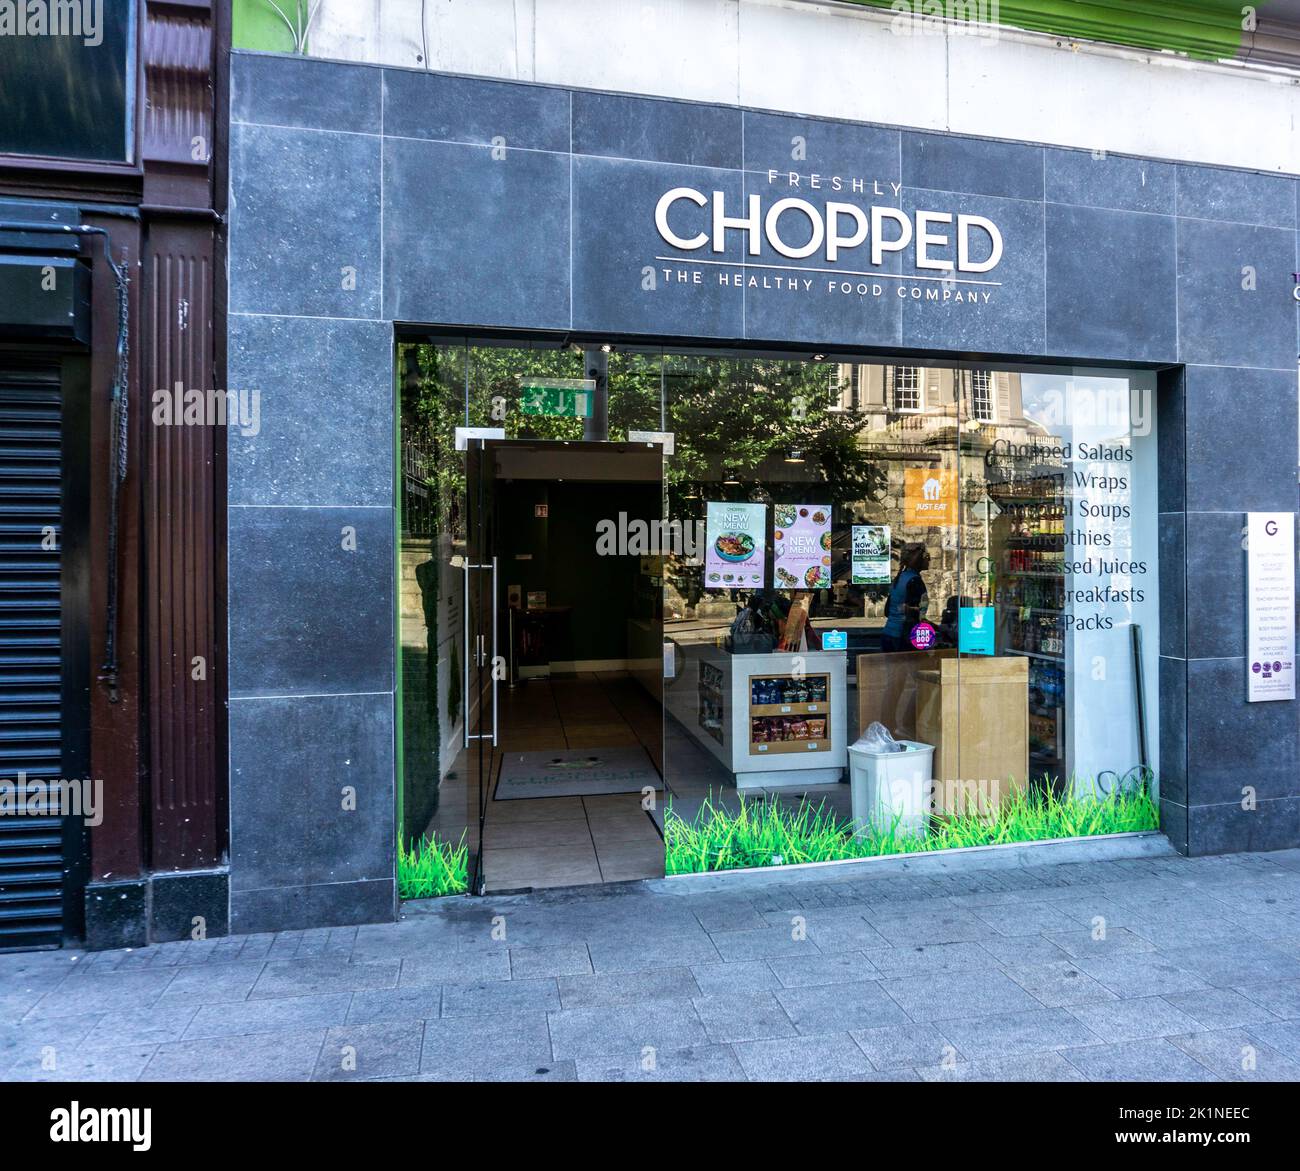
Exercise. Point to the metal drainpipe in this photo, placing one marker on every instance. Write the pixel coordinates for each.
(596, 363)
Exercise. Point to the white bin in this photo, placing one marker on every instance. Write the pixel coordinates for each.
(891, 789)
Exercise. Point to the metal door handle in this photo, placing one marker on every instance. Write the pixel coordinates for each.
(465, 657)
(493, 664)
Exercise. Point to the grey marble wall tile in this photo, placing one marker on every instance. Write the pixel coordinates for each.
(471, 239)
(1111, 280)
(306, 614)
(324, 421)
(1216, 593)
(1237, 197)
(1173, 824)
(1173, 584)
(614, 219)
(1241, 439)
(1011, 322)
(656, 130)
(473, 110)
(1231, 743)
(856, 305)
(337, 904)
(278, 90)
(291, 760)
(847, 150)
(304, 222)
(1173, 730)
(1228, 828)
(1113, 181)
(1171, 439)
(979, 166)
(1222, 323)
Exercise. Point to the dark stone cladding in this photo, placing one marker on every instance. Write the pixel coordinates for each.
(365, 195)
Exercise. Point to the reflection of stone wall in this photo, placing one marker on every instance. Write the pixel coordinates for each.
(934, 434)
(418, 592)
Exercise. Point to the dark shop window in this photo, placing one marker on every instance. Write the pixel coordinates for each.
(67, 80)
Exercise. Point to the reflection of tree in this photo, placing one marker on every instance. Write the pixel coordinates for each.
(742, 414)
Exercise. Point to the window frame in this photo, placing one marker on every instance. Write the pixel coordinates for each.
(914, 389)
(988, 395)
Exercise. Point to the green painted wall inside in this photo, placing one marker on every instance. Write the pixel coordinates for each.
(254, 24)
(1207, 29)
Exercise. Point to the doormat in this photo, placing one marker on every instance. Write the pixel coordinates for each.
(575, 772)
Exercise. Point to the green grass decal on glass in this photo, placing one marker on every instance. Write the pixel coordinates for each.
(431, 868)
(769, 833)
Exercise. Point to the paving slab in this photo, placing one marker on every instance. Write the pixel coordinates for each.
(825, 1056)
(361, 1052)
(833, 1008)
(271, 1057)
(625, 1030)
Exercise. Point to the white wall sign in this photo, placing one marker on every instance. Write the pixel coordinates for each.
(1270, 606)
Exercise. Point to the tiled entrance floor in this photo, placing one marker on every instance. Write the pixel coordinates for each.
(573, 841)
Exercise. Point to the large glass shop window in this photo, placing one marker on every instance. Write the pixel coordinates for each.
(921, 610)
(906, 608)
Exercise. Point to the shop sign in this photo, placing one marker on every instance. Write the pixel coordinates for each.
(564, 398)
(870, 555)
(835, 640)
(827, 228)
(975, 630)
(735, 553)
(801, 542)
(823, 235)
(929, 497)
(1270, 606)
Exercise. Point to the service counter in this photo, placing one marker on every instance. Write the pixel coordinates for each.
(775, 721)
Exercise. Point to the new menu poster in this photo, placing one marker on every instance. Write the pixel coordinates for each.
(870, 555)
(735, 555)
(801, 541)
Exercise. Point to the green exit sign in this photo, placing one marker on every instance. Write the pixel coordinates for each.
(565, 398)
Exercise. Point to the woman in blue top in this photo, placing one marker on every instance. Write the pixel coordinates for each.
(908, 599)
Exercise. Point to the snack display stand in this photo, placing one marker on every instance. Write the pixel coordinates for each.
(771, 727)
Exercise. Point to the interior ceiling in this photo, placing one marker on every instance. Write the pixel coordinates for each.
(520, 460)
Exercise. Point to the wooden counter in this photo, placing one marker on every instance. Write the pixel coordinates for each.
(975, 711)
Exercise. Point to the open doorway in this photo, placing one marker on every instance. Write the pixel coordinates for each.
(564, 621)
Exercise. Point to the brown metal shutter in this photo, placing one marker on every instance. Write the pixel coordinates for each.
(31, 847)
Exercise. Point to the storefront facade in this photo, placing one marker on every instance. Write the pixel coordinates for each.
(1024, 289)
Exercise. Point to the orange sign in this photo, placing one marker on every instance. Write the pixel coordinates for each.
(929, 497)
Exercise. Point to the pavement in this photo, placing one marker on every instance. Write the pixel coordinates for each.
(1161, 968)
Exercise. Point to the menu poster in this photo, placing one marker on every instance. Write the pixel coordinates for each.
(1270, 606)
(870, 555)
(735, 546)
(801, 539)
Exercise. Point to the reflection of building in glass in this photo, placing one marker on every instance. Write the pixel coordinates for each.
(940, 420)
